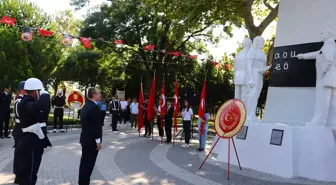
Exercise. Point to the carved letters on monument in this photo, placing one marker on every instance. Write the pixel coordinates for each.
(325, 78)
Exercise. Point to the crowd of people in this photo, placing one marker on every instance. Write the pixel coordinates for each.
(31, 111)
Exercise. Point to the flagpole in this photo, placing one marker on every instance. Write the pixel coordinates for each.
(161, 119)
(174, 116)
(153, 119)
(138, 100)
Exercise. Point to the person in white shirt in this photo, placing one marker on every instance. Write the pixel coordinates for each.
(123, 106)
(187, 116)
(159, 120)
(134, 113)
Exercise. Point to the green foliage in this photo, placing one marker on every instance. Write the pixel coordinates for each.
(20, 60)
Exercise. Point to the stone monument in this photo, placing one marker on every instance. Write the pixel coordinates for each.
(283, 144)
(325, 78)
(240, 70)
(256, 67)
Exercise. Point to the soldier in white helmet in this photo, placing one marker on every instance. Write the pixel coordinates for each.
(30, 147)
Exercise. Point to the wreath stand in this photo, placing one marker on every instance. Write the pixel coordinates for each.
(234, 146)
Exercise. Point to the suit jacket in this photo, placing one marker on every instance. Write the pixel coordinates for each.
(90, 119)
(5, 101)
(169, 115)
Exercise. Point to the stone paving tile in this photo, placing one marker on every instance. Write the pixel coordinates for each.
(134, 161)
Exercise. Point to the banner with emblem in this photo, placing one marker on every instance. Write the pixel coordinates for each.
(27, 34)
(75, 100)
(67, 40)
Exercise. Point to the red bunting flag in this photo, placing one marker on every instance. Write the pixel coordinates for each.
(118, 42)
(140, 109)
(46, 33)
(192, 56)
(67, 40)
(228, 66)
(176, 53)
(151, 101)
(27, 34)
(8, 20)
(162, 103)
(215, 64)
(176, 105)
(149, 47)
(201, 109)
(86, 42)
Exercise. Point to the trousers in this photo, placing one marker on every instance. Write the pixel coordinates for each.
(29, 159)
(58, 115)
(187, 133)
(87, 163)
(103, 116)
(168, 128)
(148, 128)
(202, 139)
(4, 121)
(134, 120)
(115, 119)
(159, 124)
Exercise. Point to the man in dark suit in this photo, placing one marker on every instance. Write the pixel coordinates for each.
(91, 135)
(5, 101)
(169, 121)
(115, 111)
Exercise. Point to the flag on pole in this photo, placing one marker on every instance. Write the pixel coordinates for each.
(176, 105)
(140, 112)
(201, 109)
(163, 102)
(8, 20)
(27, 34)
(151, 101)
(86, 42)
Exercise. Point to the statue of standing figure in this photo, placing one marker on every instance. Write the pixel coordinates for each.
(256, 67)
(325, 78)
(240, 70)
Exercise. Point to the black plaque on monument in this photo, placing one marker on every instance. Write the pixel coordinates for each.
(288, 71)
(276, 137)
(242, 133)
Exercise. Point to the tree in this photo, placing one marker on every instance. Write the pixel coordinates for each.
(21, 60)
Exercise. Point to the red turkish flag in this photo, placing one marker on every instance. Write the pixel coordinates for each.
(140, 112)
(162, 103)
(175, 54)
(8, 20)
(176, 105)
(46, 33)
(118, 42)
(151, 102)
(228, 66)
(149, 47)
(86, 42)
(201, 109)
(192, 56)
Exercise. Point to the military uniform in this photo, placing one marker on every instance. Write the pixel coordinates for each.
(44, 105)
(58, 102)
(30, 147)
(17, 133)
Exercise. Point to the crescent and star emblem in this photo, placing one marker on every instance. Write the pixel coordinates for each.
(163, 100)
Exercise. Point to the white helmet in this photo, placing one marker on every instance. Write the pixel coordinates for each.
(43, 91)
(33, 84)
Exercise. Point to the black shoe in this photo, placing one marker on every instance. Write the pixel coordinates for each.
(1, 137)
(145, 135)
(200, 149)
(7, 137)
(115, 130)
(168, 142)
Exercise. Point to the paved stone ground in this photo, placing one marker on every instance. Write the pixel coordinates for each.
(127, 159)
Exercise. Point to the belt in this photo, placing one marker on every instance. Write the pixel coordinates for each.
(17, 120)
(58, 107)
(42, 124)
(35, 129)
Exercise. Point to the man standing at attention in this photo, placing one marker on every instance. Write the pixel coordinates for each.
(123, 106)
(115, 112)
(134, 113)
(58, 102)
(5, 101)
(91, 135)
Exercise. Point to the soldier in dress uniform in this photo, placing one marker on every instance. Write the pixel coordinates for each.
(169, 121)
(17, 131)
(58, 102)
(30, 147)
(5, 101)
(44, 104)
(115, 111)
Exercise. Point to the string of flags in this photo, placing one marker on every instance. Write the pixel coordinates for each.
(67, 40)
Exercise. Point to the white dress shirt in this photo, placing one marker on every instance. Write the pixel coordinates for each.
(187, 114)
(123, 105)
